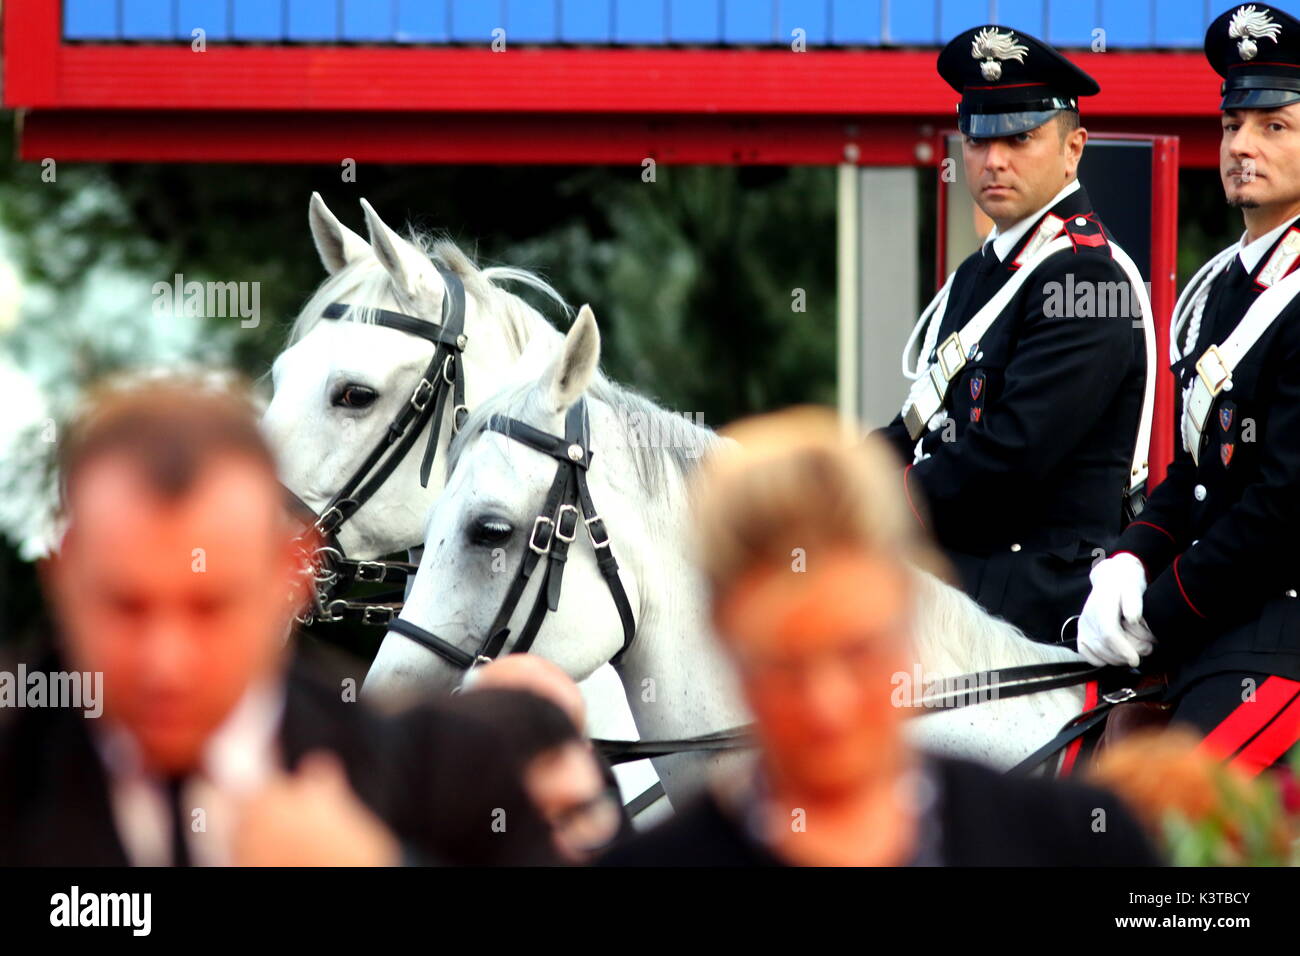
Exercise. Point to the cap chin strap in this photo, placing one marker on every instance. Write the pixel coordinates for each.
(554, 528)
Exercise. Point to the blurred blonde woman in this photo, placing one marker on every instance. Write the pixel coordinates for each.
(807, 548)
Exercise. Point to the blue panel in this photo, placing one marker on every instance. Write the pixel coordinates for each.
(472, 21)
(89, 20)
(811, 16)
(586, 21)
(912, 22)
(1070, 23)
(958, 16)
(532, 21)
(1127, 24)
(747, 21)
(422, 21)
(210, 16)
(1181, 22)
(369, 20)
(694, 21)
(856, 22)
(257, 20)
(1026, 15)
(640, 21)
(146, 19)
(312, 20)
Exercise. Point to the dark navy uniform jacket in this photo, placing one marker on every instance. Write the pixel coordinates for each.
(1045, 413)
(1219, 540)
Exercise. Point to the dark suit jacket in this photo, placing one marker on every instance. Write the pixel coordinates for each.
(1218, 539)
(1029, 490)
(436, 779)
(984, 819)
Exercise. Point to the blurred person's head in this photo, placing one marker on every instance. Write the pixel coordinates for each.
(557, 766)
(536, 675)
(1170, 773)
(804, 537)
(176, 572)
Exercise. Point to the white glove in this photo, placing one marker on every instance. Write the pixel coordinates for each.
(1111, 629)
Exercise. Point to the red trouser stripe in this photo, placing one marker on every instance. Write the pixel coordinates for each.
(1072, 751)
(1250, 717)
(1274, 740)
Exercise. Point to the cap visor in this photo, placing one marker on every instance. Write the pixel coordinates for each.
(1258, 99)
(992, 125)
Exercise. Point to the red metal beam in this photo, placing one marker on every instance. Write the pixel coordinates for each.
(1164, 292)
(313, 137)
(234, 137)
(42, 72)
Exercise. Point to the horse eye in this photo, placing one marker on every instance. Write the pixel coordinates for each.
(489, 531)
(355, 396)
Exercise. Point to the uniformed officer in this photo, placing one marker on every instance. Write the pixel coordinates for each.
(1207, 577)
(1022, 425)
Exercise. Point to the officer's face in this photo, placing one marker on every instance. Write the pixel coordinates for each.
(1011, 177)
(180, 605)
(1259, 156)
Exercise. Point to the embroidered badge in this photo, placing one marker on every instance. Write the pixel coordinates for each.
(991, 45)
(1248, 25)
(1225, 418)
(1283, 261)
(977, 395)
(1225, 453)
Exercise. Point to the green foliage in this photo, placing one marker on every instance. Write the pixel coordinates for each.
(1251, 825)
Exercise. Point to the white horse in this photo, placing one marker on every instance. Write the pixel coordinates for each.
(678, 683)
(339, 383)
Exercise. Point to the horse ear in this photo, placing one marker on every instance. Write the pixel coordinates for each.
(575, 367)
(415, 277)
(337, 244)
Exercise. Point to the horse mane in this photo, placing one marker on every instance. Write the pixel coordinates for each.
(366, 282)
(679, 443)
(954, 635)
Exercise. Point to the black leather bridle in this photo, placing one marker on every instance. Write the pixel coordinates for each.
(554, 528)
(332, 570)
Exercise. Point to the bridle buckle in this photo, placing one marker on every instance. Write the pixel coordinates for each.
(532, 538)
(377, 615)
(591, 523)
(371, 571)
(559, 524)
(422, 395)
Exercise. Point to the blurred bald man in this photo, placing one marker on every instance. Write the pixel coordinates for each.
(176, 579)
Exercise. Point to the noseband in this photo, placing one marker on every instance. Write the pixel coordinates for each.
(332, 570)
(554, 528)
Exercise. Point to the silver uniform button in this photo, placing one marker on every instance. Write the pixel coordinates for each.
(1015, 547)
(1080, 221)
(1199, 492)
(1291, 593)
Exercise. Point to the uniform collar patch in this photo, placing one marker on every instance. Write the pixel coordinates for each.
(1047, 230)
(1283, 261)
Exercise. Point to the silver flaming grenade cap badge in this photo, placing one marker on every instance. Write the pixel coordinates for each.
(1249, 25)
(991, 45)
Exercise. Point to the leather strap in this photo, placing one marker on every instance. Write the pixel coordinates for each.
(1076, 727)
(554, 528)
